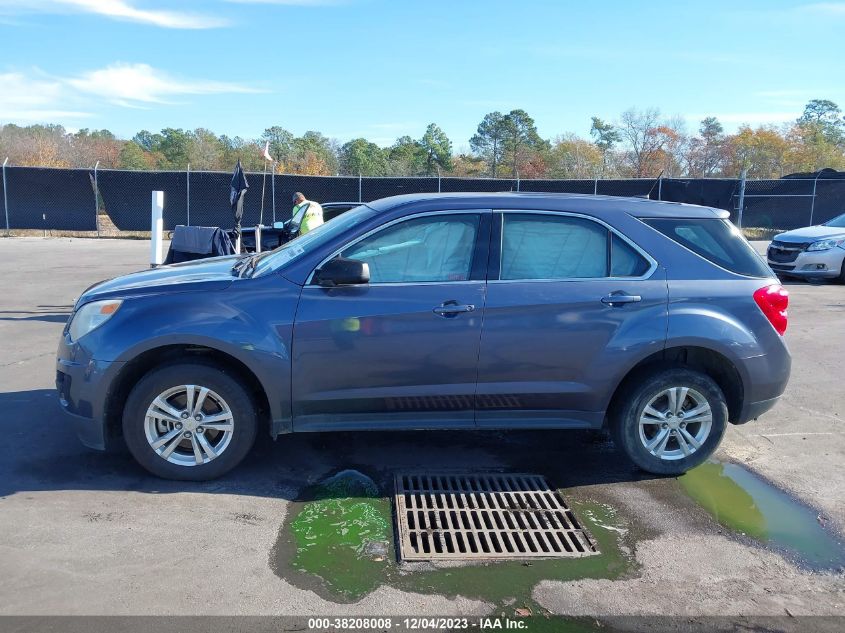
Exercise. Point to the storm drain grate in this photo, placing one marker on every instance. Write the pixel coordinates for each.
(447, 516)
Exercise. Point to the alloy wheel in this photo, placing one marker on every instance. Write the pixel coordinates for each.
(189, 425)
(675, 423)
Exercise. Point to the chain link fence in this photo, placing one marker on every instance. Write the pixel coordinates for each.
(81, 199)
(790, 203)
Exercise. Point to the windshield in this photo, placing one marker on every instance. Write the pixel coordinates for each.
(838, 222)
(314, 239)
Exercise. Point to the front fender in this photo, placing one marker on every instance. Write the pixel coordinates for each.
(251, 321)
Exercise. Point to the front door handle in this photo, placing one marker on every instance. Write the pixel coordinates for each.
(453, 308)
(620, 298)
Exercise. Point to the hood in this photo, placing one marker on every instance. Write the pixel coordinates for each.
(810, 234)
(205, 274)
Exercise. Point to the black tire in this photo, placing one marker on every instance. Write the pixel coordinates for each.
(227, 386)
(625, 419)
(841, 278)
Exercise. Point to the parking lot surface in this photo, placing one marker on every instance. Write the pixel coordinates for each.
(89, 533)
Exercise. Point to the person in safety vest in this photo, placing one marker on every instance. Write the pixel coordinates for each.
(306, 213)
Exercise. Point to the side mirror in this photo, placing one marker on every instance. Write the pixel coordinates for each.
(342, 272)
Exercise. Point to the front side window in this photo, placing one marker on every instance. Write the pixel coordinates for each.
(435, 248)
(312, 241)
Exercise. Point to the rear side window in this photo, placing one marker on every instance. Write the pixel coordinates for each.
(715, 240)
(624, 260)
(546, 246)
(549, 247)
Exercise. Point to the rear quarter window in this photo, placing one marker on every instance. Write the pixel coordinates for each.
(717, 241)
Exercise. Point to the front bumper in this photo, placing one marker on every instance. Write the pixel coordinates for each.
(83, 384)
(812, 264)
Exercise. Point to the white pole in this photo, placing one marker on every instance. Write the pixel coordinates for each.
(96, 200)
(273, 189)
(263, 187)
(157, 227)
(188, 196)
(6, 196)
(258, 239)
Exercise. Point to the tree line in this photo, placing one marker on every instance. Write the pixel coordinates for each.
(639, 144)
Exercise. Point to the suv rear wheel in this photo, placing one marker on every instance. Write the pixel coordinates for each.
(189, 421)
(670, 421)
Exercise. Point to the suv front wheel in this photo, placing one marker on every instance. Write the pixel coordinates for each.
(190, 421)
(670, 421)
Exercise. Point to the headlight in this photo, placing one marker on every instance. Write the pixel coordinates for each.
(91, 316)
(826, 245)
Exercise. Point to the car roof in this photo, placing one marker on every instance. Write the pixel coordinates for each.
(574, 202)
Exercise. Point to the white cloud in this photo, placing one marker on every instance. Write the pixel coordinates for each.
(37, 96)
(125, 10)
(830, 9)
(26, 99)
(131, 84)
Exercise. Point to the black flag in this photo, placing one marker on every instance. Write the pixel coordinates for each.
(236, 196)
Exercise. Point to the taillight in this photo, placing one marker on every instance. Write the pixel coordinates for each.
(773, 301)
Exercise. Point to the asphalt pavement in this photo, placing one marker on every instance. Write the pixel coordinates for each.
(88, 533)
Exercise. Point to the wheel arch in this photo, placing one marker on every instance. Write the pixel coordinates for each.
(147, 360)
(708, 361)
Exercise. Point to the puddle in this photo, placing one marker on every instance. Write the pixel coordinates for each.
(749, 505)
(342, 534)
(326, 545)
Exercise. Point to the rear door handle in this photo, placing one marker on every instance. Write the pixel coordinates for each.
(453, 308)
(621, 298)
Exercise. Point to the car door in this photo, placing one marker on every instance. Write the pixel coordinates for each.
(402, 350)
(570, 305)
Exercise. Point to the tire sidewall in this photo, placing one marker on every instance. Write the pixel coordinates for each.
(215, 378)
(627, 423)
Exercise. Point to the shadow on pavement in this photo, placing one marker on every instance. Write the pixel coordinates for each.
(46, 313)
(41, 452)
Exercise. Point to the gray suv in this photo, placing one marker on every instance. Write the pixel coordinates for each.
(454, 311)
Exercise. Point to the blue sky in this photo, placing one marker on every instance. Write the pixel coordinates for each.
(384, 68)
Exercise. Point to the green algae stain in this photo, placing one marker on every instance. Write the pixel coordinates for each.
(329, 536)
(747, 504)
(342, 535)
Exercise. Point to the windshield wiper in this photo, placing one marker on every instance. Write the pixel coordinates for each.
(250, 265)
(239, 265)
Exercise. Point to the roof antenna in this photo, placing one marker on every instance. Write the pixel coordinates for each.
(657, 180)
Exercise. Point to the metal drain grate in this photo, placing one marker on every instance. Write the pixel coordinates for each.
(446, 516)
